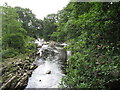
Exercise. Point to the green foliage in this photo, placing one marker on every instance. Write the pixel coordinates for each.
(67, 27)
(49, 26)
(14, 35)
(10, 23)
(92, 31)
(29, 44)
(15, 41)
(10, 52)
(85, 70)
(94, 39)
(29, 22)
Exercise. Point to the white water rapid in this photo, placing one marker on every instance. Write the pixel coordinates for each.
(50, 61)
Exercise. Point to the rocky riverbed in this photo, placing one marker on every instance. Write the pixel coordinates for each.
(16, 71)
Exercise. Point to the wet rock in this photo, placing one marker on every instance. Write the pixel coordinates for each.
(27, 61)
(24, 74)
(31, 67)
(19, 59)
(48, 72)
(19, 64)
(20, 74)
(52, 44)
(27, 58)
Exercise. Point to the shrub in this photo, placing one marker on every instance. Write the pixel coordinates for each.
(15, 41)
(9, 53)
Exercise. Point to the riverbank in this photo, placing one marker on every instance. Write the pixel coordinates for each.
(16, 70)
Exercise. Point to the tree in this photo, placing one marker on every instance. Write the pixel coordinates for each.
(93, 38)
(13, 34)
(67, 21)
(10, 23)
(14, 40)
(49, 26)
(30, 23)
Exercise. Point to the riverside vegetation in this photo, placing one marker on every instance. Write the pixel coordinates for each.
(18, 50)
(91, 29)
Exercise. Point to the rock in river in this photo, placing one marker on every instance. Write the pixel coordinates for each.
(48, 72)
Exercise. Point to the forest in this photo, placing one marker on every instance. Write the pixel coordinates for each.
(91, 29)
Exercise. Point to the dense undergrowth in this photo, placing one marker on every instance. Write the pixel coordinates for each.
(94, 38)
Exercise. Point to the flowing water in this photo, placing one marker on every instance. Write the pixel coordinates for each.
(50, 62)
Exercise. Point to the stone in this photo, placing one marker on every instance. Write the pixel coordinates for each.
(52, 44)
(48, 72)
(27, 58)
(31, 67)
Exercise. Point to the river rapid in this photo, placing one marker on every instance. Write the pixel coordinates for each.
(50, 61)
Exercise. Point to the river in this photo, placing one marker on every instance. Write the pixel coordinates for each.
(50, 61)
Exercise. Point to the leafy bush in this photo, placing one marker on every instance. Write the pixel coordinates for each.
(9, 53)
(88, 69)
(15, 41)
(30, 47)
(29, 44)
(95, 62)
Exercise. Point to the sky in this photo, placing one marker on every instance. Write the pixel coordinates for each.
(41, 8)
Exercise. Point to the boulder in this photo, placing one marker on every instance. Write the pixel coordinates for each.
(48, 72)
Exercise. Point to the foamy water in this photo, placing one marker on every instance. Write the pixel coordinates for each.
(48, 74)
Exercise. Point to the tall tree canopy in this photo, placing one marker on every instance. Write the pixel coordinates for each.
(15, 37)
(30, 23)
